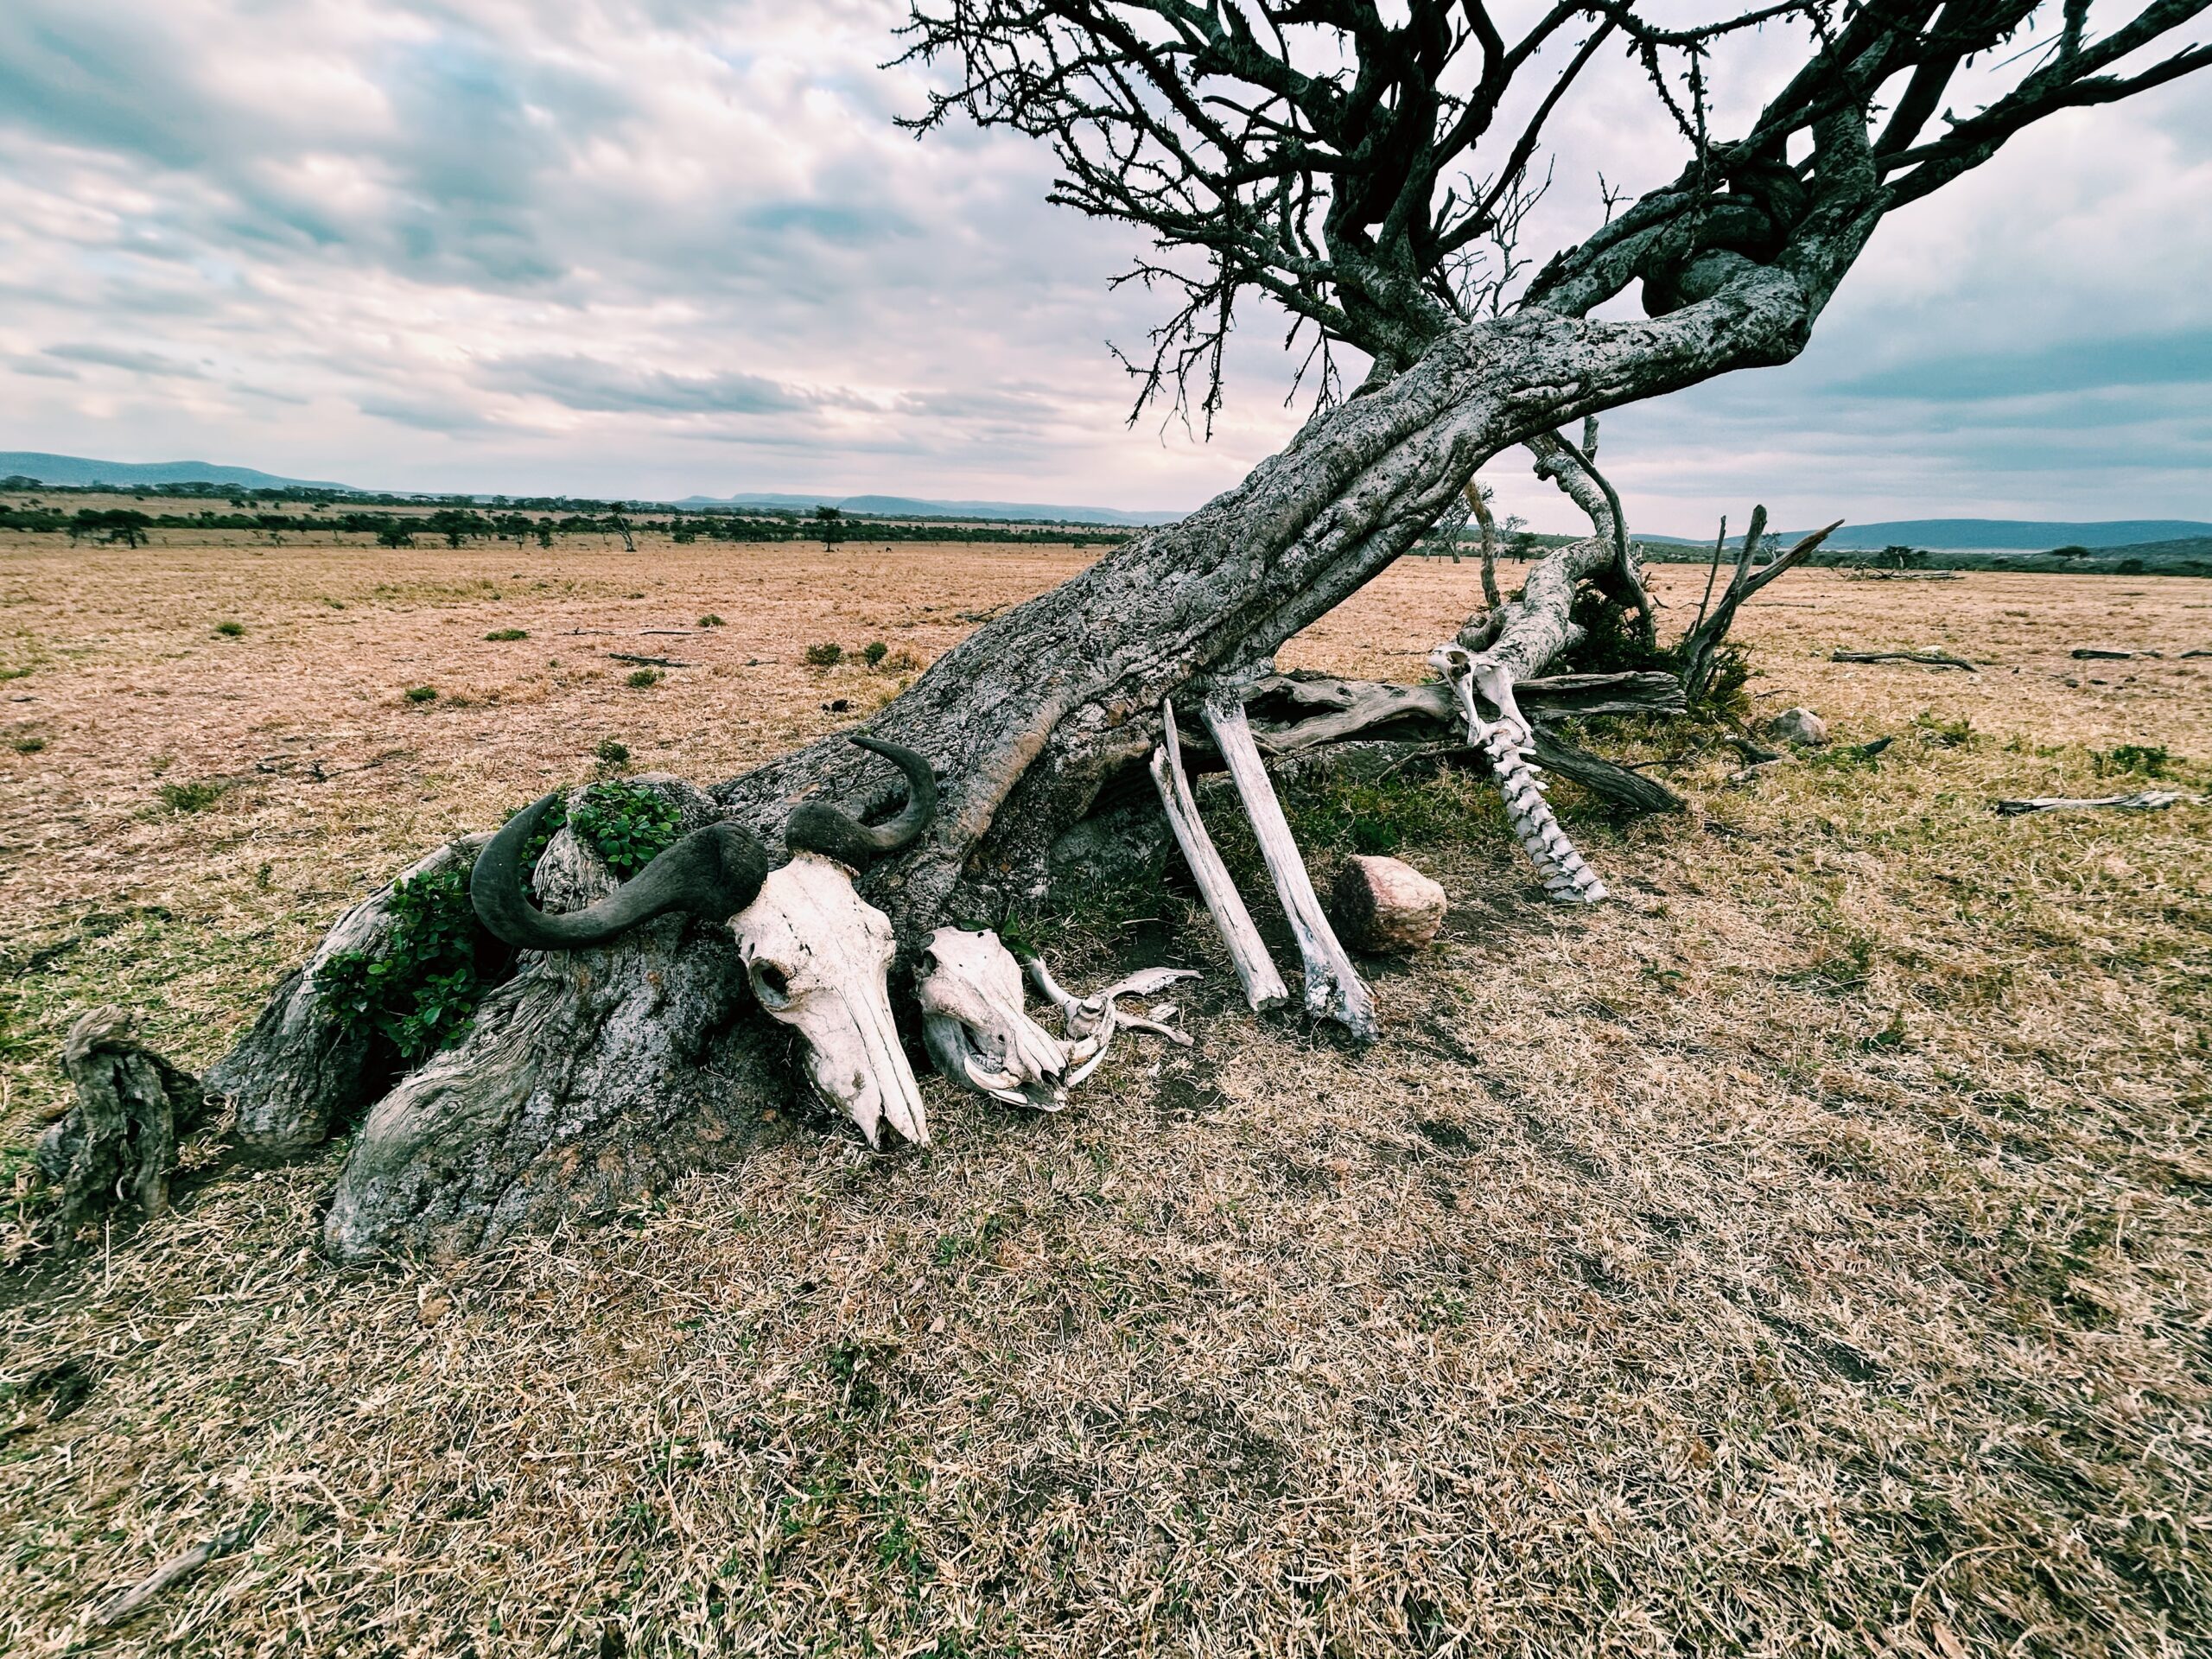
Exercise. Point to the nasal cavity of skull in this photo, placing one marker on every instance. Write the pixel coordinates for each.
(771, 983)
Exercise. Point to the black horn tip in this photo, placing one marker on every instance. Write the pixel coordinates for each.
(819, 827)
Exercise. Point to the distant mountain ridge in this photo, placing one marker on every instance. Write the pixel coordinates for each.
(904, 506)
(78, 471)
(2003, 535)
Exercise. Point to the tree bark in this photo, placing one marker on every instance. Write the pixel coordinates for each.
(592, 1077)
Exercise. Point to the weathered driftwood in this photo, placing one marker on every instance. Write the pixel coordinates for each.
(1247, 954)
(130, 1603)
(2145, 800)
(1924, 658)
(1333, 988)
(1701, 644)
(119, 1139)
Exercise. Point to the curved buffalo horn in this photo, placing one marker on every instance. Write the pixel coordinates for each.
(819, 827)
(713, 873)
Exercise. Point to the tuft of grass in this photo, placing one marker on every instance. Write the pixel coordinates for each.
(196, 797)
(710, 621)
(873, 653)
(502, 634)
(30, 745)
(421, 694)
(826, 655)
(229, 629)
(1945, 734)
(642, 677)
(610, 752)
(2138, 759)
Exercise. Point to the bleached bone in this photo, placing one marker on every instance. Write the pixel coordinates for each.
(1334, 989)
(1092, 1021)
(818, 955)
(976, 1027)
(1256, 970)
(1508, 742)
(981, 1037)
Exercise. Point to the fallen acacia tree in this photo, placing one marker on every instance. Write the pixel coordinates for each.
(600, 1069)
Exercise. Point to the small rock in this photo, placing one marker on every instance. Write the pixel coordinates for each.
(1385, 905)
(1800, 727)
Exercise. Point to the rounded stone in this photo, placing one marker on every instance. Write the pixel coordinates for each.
(1800, 727)
(1385, 906)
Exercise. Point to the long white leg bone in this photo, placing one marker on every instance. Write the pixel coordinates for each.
(1263, 986)
(1333, 988)
(1508, 742)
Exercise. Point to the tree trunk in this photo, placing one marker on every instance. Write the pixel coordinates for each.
(593, 1076)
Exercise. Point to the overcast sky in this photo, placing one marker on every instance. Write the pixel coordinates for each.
(669, 246)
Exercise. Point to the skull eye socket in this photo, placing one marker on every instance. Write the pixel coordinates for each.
(771, 983)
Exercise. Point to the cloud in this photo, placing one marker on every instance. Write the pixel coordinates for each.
(621, 247)
(583, 383)
(116, 357)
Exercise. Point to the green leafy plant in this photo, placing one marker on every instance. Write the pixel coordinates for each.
(710, 621)
(421, 694)
(873, 653)
(824, 655)
(194, 796)
(419, 990)
(610, 752)
(627, 825)
(508, 633)
(642, 677)
(229, 629)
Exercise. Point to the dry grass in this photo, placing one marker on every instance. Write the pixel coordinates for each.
(1807, 1254)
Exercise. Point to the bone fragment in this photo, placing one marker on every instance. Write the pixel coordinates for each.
(975, 1027)
(1263, 986)
(1333, 988)
(1508, 741)
(2145, 800)
(177, 1568)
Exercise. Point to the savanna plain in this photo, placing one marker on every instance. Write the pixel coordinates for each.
(1806, 1253)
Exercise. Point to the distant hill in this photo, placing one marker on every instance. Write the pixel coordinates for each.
(78, 471)
(902, 507)
(2026, 534)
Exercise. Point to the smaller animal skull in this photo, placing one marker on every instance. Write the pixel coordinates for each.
(974, 1026)
(980, 1038)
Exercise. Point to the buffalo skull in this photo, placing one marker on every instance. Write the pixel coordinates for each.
(817, 954)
